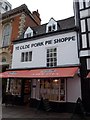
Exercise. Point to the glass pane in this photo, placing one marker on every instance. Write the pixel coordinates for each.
(26, 58)
(47, 51)
(47, 60)
(55, 49)
(88, 63)
(84, 41)
(84, 13)
(22, 57)
(83, 29)
(30, 56)
(86, 3)
(89, 39)
(81, 6)
(47, 64)
(88, 23)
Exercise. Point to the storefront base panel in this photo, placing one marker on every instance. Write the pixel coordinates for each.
(14, 100)
(55, 106)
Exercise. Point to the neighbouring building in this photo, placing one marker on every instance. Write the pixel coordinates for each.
(5, 6)
(47, 65)
(12, 25)
(82, 15)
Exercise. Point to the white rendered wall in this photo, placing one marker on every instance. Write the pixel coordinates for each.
(67, 52)
(73, 89)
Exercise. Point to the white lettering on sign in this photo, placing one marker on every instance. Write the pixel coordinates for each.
(48, 42)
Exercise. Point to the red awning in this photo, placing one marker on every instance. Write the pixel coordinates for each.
(41, 73)
(88, 76)
(53, 72)
(14, 74)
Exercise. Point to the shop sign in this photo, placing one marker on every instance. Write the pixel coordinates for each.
(47, 42)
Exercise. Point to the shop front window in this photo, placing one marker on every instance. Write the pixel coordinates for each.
(15, 86)
(53, 90)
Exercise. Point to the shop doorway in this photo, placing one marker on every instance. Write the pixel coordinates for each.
(27, 91)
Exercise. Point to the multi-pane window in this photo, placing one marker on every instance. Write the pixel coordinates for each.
(6, 35)
(53, 89)
(26, 56)
(85, 32)
(52, 57)
(52, 28)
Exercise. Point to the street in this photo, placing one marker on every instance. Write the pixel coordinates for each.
(26, 113)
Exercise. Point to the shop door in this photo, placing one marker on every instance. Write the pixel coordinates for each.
(27, 91)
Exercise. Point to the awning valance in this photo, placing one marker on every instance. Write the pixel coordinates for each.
(14, 74)
(88, 76)
(41, 73)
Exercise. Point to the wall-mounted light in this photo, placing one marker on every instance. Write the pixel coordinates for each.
(55, 80)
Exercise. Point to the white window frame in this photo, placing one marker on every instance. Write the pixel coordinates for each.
(51, 57)
(38, 96)
(26, 56)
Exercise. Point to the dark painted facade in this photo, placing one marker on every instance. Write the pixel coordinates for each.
(82, 15)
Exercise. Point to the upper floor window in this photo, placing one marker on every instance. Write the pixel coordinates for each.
(52, 57)
(81, 5)
(51, 26)
(87, 3)
(88, 23)
(84, 41)
(26, 56)
(3, 59)
(83, 27)
(28, 33)
(84, 4)
(6, 35)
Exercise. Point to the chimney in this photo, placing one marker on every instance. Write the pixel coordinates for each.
(36, 16)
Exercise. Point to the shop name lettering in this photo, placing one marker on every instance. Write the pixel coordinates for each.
(48, 42)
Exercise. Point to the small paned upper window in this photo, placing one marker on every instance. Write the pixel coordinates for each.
(51, 57)
(26, 56)
(51, 28)
(28, 35)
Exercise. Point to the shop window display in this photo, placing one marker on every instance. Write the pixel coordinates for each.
(53, 90)
(15, 87)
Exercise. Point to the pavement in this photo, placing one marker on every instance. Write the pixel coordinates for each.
(26, 113)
